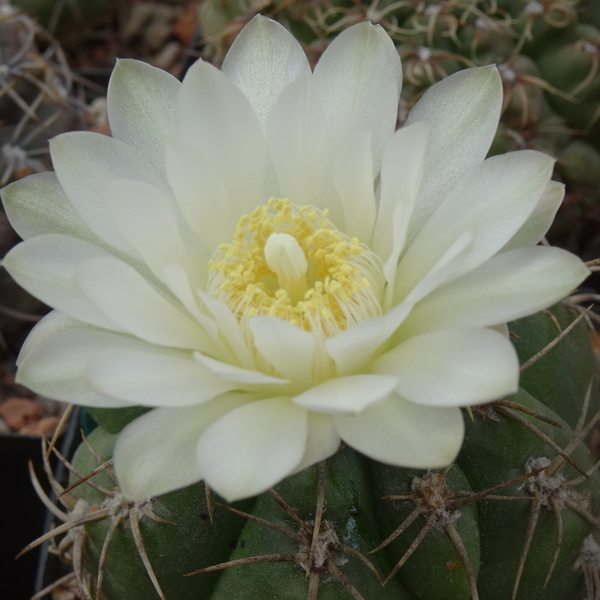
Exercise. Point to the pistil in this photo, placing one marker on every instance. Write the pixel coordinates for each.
(287, 260)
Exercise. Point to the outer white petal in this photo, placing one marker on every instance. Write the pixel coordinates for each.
(45, 266)
(148, 220)
(120, 292)
(401, 174)
(52, 323)
(214, 115)
(452, 368)
(289, 349)
(154, 377)
(201, 194)
(509, 286)
(353, 178)
(357, 79)
(141, 107)
(56, 365)
(250, 449)
(243, 377)
(299, 146)
(36, 205)
(262, 61)
(156, 453)
(84, 163)
(403, 434)
(344, 395)
(493, 200)
(536, 227)
(322, 440)
(463, 111)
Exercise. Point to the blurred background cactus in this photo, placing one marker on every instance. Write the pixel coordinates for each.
(36, 94)
(58, 16)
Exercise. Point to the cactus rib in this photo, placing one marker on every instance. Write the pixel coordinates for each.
(316, 539)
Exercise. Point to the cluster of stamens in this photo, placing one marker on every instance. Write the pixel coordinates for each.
(291, 262)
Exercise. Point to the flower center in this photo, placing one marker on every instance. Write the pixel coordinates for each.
(287, 260)
(291, 262)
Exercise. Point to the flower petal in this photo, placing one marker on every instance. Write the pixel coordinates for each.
(84, 163)
(493, 200)
(358, 79)
(154, 377)
(262, 61)
(56, 364)
(48, 325)
(141, 107)
(536, 227)
(176, 278)
(36, 205)
(299, 147)
(509, 286)
(149, 222)
(289, 349)
(352, 348)
(355, 346)
(201, 195)
(463, 111)
(353, 178)
(401, 175)
(230, 330)
(215, 116)
(252, 448)
(322, 440)
(344, 395)
(45, 266)
(452, 368)
(120, 292)
(403, 434)
(156, 453)
(229, 372)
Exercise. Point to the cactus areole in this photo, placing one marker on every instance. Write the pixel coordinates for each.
(301, 299)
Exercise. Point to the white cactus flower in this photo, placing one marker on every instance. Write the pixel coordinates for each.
(258, 256)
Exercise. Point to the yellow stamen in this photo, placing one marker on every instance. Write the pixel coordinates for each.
(290, 262)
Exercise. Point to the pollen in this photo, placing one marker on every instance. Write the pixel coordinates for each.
(292, 263)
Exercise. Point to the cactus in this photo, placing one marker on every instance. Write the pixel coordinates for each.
(36, 96)
(59, 16)
(512, 518)
(547, 52)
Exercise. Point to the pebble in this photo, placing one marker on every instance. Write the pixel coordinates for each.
(46, 427)
(18, 412)
(64, 594)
